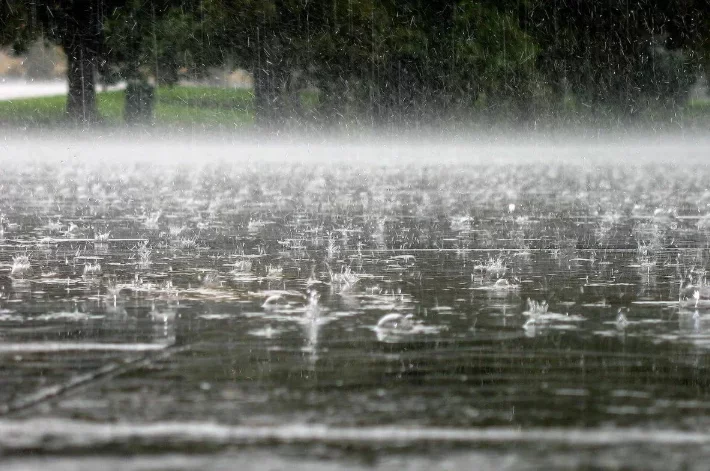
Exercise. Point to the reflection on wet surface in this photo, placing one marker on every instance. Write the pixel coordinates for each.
(556, 304)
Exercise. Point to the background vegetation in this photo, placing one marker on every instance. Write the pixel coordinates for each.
(403, 63)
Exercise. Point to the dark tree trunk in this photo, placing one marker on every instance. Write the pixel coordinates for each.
(269, 96)
(81, 101)
(264, 97)
(81, 45)
(332, 101)
(139, 102)
(270, 81)
(387, 106)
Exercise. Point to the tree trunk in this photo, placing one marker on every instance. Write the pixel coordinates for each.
(269, 96)
(81, 101)
(263, 97)
(139, 102)
(270, 78)
(81, 46)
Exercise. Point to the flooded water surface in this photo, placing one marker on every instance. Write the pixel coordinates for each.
(475, 311)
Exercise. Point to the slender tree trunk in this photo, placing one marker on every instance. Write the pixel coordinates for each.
(332, 98)
(386, 107)
(81, 46)
(270, 83)
(139, 102)
(270, 77)
(263, 97)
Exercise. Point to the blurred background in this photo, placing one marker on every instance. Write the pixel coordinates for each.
(358, 64)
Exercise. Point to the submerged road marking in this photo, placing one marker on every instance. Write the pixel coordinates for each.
(46, 347)
(72, 434)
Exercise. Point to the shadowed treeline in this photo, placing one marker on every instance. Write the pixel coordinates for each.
(375, 63)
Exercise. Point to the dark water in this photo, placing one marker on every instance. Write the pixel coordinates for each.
(541, 314)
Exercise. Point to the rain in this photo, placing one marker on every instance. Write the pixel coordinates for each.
(354, 234)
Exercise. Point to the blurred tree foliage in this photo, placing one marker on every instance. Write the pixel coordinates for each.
(388, 62)
(621, 56)
(76, 26)
(146, 40)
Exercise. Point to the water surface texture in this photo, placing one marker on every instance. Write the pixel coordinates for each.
(285, 311)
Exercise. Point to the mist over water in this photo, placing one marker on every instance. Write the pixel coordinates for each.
(183, 146)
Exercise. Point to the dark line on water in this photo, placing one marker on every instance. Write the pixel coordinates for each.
(75, 383)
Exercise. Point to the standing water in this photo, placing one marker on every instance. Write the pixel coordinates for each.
(303, 307)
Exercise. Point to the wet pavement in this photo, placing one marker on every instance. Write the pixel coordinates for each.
(295, 313)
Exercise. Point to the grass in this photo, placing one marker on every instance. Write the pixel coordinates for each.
(233, 108)
(34, 110)
(176, 105)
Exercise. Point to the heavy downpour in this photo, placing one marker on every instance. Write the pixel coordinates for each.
(354, 234)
